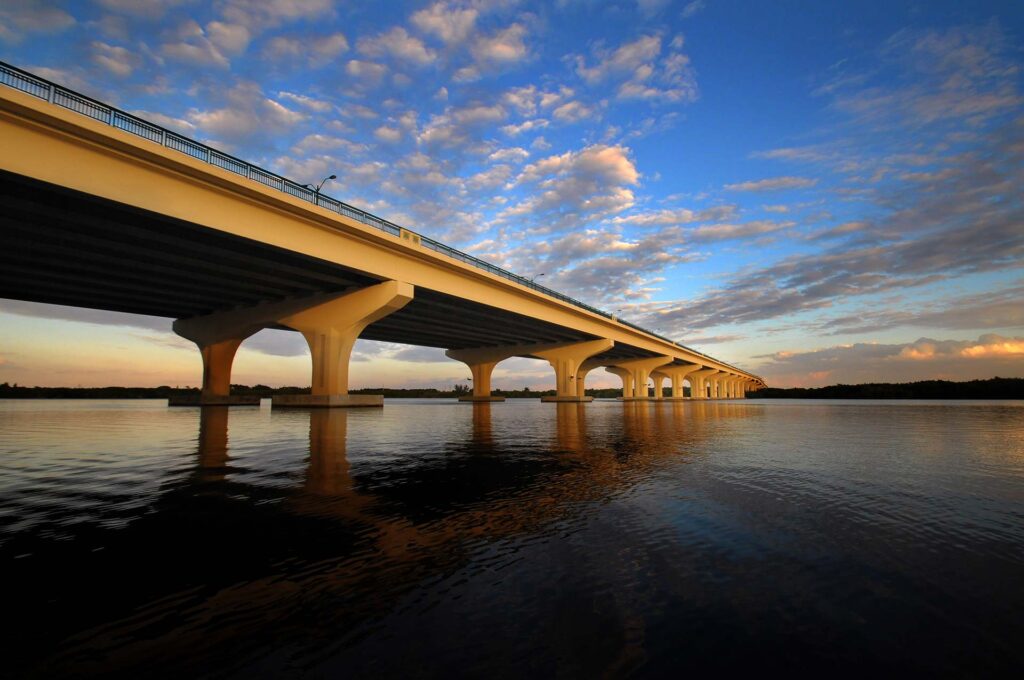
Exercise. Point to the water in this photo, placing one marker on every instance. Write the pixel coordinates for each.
(437, 539)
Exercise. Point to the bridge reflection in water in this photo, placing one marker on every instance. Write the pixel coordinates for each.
(517, 539)
(344, 547)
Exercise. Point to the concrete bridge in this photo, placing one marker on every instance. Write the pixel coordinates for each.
(104, 210)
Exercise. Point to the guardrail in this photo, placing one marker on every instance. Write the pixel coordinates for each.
(21, 80)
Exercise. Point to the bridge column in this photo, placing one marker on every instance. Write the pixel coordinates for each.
(567, 361)
(676, 373)
(331, 322)
(581, 374)
(217, 344)
(217, 360)
(627, 380)
(699, 381)
(641, 370)
(331, 329)
(567, 358)
(481, 362)
(658, 378)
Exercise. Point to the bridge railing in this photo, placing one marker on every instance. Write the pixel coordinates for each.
(24, 81)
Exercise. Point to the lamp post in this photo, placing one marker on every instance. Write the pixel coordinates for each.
(536, 276)
(316, 189)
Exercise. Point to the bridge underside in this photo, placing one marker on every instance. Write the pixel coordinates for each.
(63, 247)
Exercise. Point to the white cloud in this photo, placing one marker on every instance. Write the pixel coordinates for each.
(575, 188)
(367, 73)
(674, 216)
(19, 18)
(625, 59)
(773, 184)
(493, 177)
(229, 38)
(478, 113)
(179, 125)
(318, 105)
(316, 52)
(643, 72)
(526, 126)
(514, 154)
(248, 115)
(522, 99)
(573, 112)
(118, 60)
(540, 144)
(692, 8)
(319, 143)
(388, 134)
(504, 46)
(449, 22)
(397, 43)
(193, 45)
(147, 9)
(259, 15)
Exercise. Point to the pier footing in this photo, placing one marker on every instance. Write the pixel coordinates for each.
(327, 400)
(575, 400)
(208, 400)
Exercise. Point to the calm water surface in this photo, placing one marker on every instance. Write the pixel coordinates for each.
(437, 539)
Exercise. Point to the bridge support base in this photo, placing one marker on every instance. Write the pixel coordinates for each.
(567, 399)
(214, 400)
(635, 374)
(568, 360)
(327, 400)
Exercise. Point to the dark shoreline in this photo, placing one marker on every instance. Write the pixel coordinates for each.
(992, 388)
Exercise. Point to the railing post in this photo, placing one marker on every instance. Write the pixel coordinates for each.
(52, 92)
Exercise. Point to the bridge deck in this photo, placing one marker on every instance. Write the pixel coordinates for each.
(65, 247)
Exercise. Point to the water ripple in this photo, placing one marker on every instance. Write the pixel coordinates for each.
(436, 539)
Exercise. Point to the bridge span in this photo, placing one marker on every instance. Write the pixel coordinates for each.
(104, 210)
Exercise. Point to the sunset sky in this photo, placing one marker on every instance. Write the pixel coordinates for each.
(819, 192)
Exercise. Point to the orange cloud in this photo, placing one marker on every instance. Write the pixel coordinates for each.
(994, 349)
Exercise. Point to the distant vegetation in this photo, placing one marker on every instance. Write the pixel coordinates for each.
(993, 388)
(15, 391)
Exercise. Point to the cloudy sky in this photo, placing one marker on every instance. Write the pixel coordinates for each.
(816, 191)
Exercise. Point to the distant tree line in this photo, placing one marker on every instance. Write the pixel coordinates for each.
(993, 388)
(15, 391)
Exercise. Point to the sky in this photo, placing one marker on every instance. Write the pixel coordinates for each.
(818, 192)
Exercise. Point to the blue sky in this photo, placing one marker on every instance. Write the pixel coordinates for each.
(817, 191)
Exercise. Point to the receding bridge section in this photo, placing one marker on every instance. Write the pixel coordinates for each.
(103, 210)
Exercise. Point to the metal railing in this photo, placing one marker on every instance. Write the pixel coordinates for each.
(24, 81)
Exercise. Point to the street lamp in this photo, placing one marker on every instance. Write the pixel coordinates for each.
(316, 189)
(535, 277)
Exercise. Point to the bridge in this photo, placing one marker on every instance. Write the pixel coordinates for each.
(104, 210)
